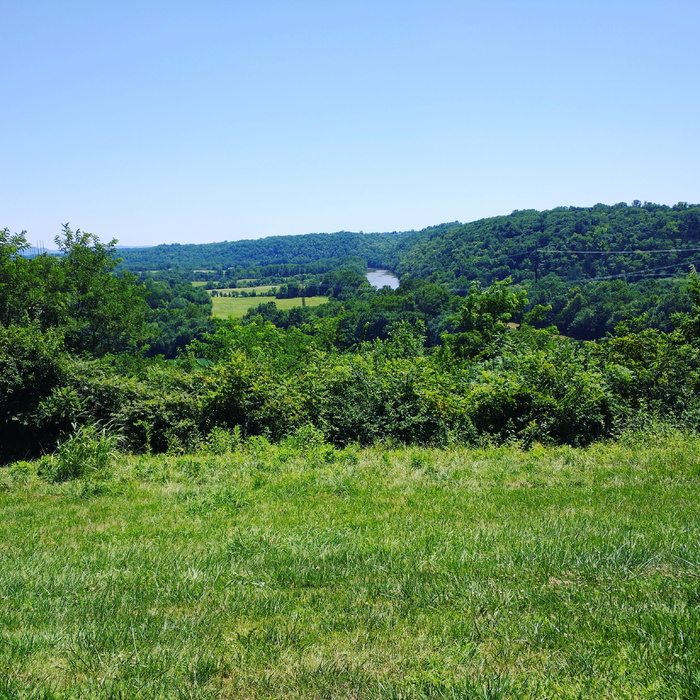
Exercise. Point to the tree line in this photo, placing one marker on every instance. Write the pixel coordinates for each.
(83, 343)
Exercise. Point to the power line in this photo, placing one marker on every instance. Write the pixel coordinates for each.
(614, 252)
(629, 274)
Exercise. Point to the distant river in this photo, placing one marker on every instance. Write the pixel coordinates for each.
(382, 278)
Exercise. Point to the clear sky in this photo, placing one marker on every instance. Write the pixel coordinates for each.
(160, 121)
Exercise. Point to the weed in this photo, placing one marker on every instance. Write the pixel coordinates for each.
(221, 441)
(22, 472)
(87, 453)
(419, 460)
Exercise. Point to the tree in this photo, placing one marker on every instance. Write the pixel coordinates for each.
(30, 367)
(689, 324)
(100, 312)
(481, 322)
(14, 279)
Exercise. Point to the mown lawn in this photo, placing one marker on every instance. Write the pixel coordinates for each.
(236, 307)
(300, 571)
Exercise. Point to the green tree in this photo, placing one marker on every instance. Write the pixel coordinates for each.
(689, 324)
(100, 312)
(14, 278)
(31, 365)
(481, 322)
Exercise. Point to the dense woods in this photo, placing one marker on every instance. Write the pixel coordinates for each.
(564, 326)
(595, 266)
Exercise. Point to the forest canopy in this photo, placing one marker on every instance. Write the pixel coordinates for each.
(563, 326)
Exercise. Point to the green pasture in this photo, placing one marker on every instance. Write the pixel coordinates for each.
(249, 570)
(226, 307)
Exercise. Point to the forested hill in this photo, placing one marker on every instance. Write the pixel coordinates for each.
(574, 243)
(376, 248)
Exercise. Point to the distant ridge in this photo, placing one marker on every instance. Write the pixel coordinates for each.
(516, 245)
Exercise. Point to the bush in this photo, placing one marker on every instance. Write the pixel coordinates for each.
(221, 441)
(31, 365)
(87, 453)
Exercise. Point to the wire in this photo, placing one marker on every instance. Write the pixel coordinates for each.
(616, 252)
(629, 274)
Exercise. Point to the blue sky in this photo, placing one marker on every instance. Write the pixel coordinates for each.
(159, 122)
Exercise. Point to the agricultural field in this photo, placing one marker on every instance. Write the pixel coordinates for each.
(299, 570)
(236, 307)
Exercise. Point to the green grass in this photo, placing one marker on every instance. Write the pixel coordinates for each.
(226, 307)
(300, 571)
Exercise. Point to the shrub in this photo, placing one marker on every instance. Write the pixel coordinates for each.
(22, 471)
(221, 441)
(31, 365)
(309, 441)
(87, 453)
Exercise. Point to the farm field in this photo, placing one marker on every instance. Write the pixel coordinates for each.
(227, 307)
(302, 571)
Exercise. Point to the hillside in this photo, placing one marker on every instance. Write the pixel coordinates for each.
(633, 241)
(274, 250)
(81, 345)
(575, 243)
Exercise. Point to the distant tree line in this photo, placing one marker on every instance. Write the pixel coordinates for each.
(84, 341)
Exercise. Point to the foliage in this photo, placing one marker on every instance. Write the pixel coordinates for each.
(295, 253)
(362, 368)
(689, 324)
(220, 441)
(480, 323)
(30, 368)
(595, 266)
(262, 487)
(15, 282)
(87, 453)
(99, 312)
(179, 314)
(77, 294)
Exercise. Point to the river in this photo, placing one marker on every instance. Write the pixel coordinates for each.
(382, 278)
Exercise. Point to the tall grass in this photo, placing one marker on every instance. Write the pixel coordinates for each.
(302, 571)
(87, 453)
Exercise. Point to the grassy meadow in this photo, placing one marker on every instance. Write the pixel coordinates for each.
(249, 570)
(236, 307)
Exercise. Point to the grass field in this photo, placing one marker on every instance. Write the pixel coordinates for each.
(226, 307)
(300, 571)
